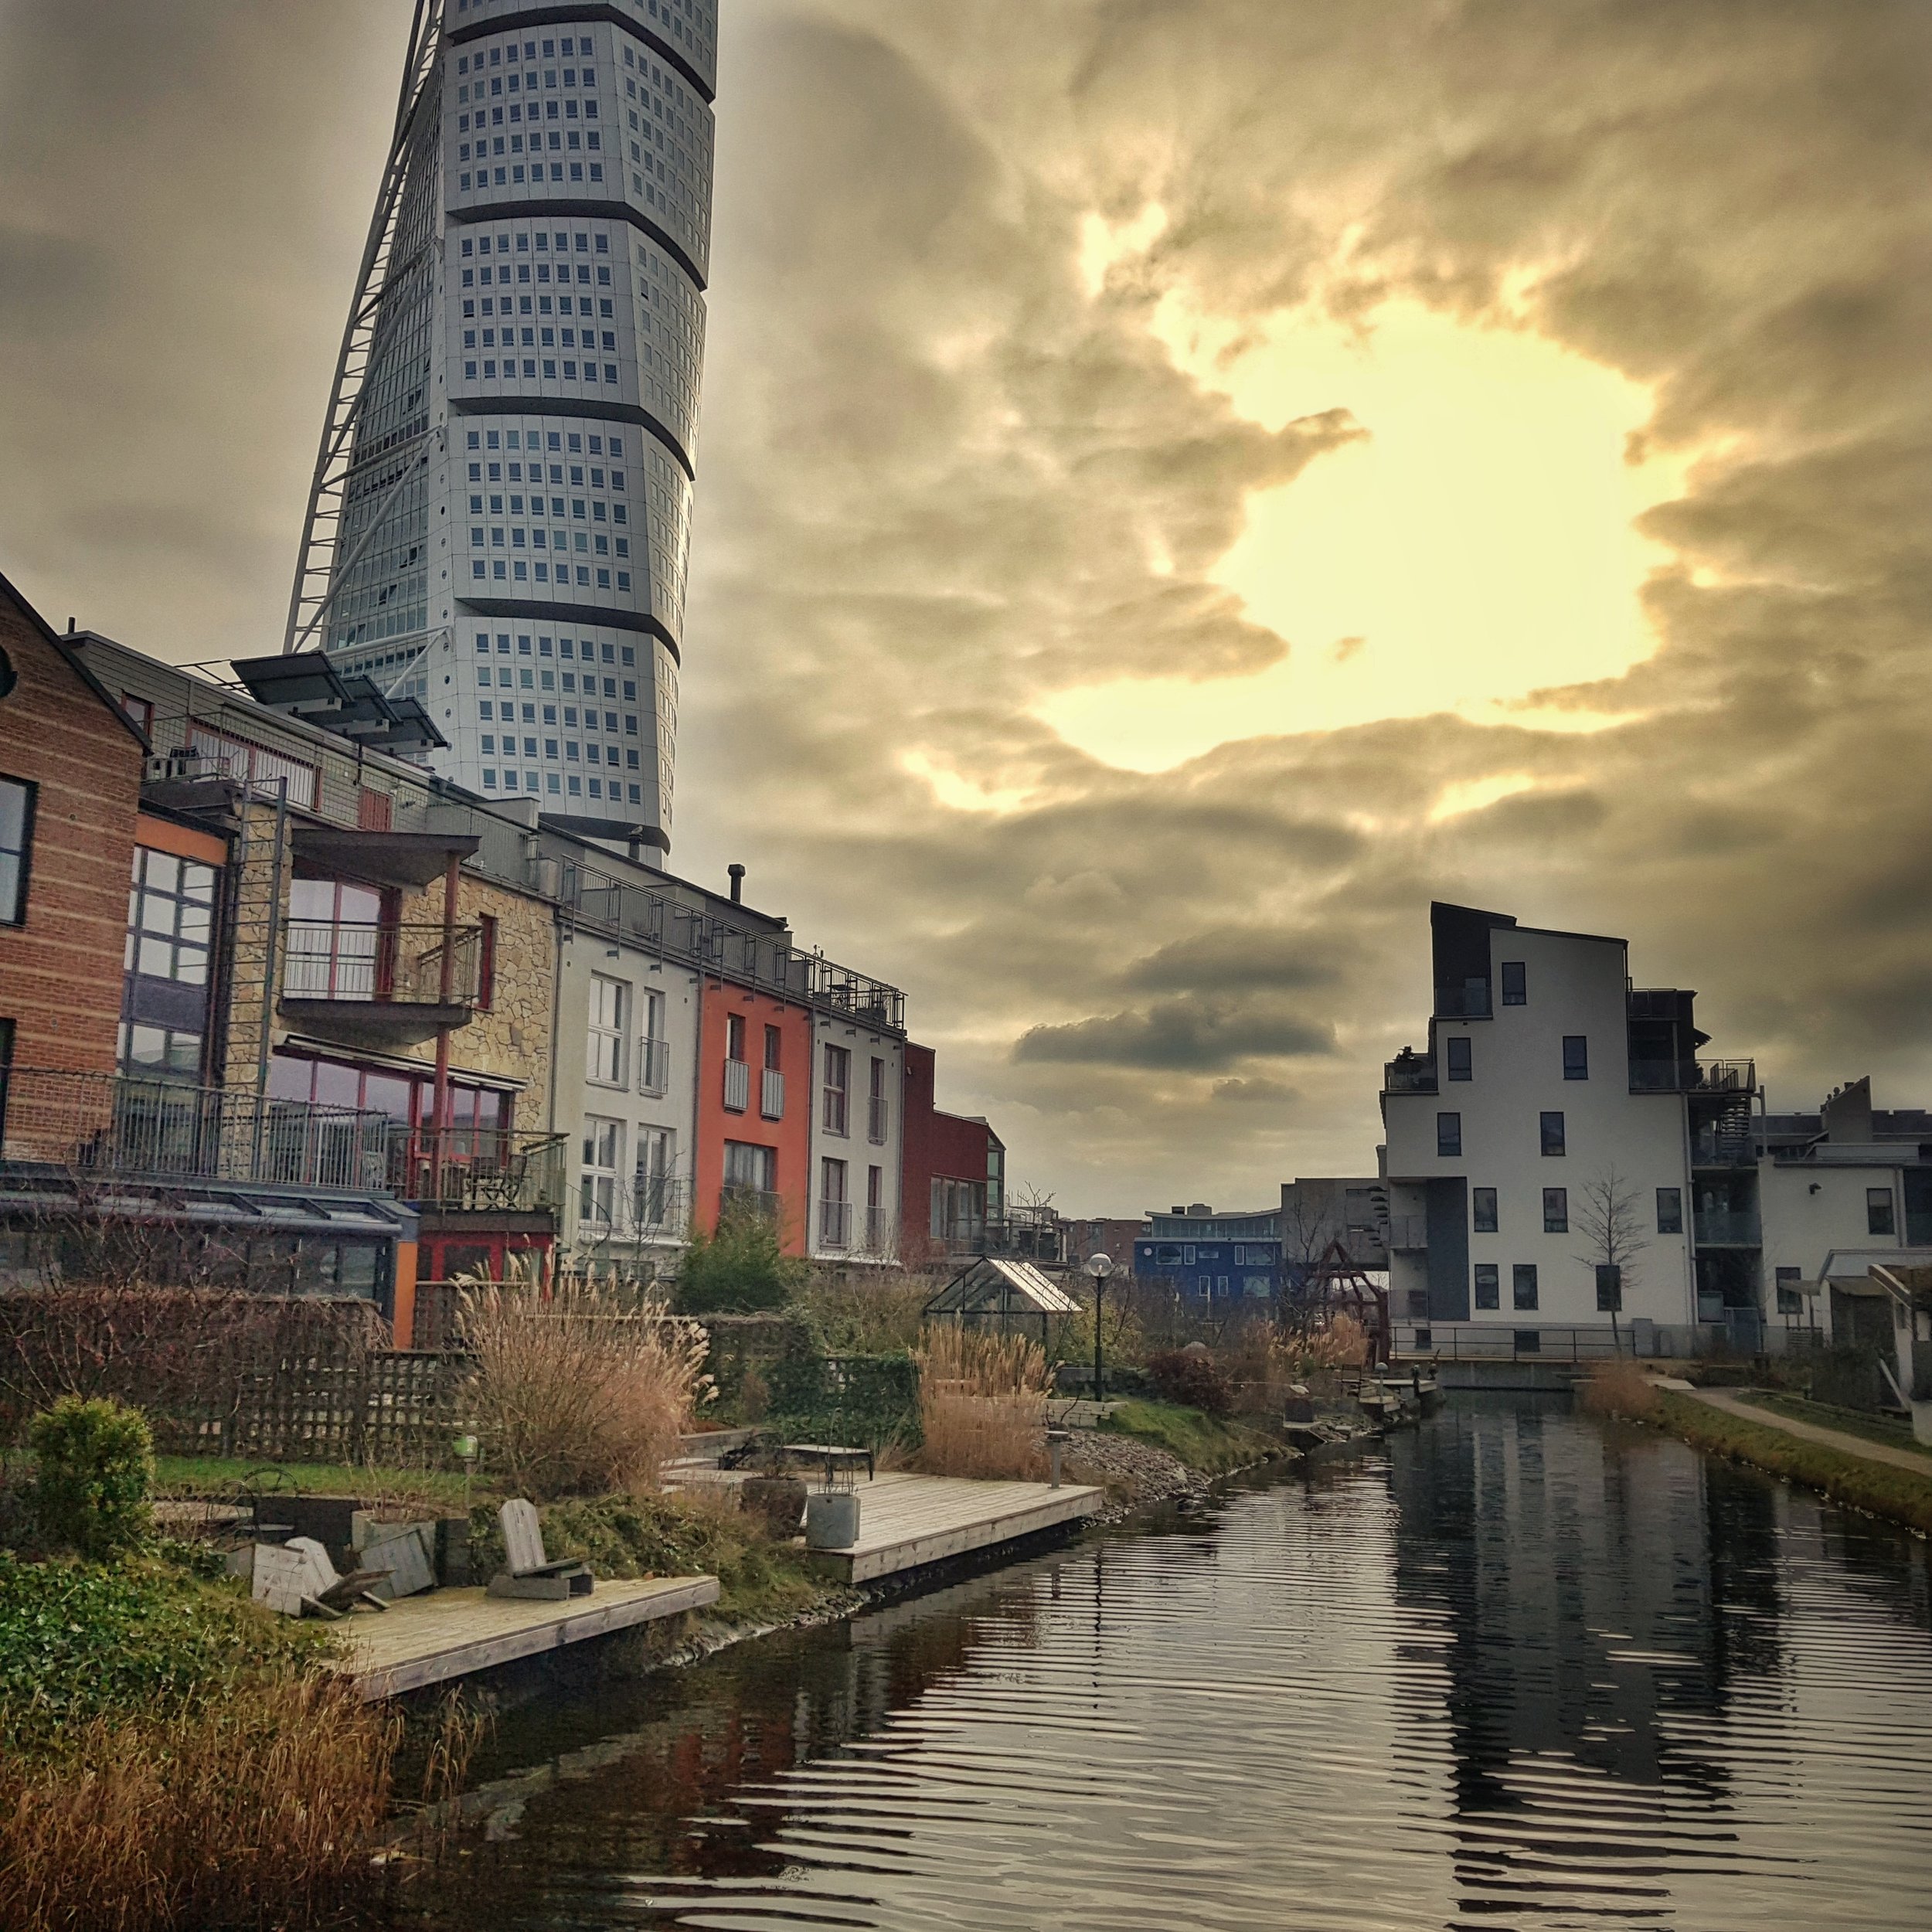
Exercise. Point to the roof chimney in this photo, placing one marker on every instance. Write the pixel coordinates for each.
(70, 627)
(737, 883)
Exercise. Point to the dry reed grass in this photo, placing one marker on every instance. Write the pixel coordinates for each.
(584, 1391)
(262, 1808)
(1619, 1388)
(982, 1406)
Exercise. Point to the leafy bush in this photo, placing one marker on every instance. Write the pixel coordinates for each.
(863, 1401)
(95, 1466)
(1190, 1381)
(740, 1267)
(582, 1393)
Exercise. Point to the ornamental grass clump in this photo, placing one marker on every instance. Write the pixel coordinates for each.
(1619, 1388)
(94, 1465)
(584, 1391)
(982, 1405)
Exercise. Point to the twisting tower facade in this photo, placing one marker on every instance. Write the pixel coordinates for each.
(501, 513)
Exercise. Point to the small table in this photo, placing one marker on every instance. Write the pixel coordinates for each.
(835, 1456)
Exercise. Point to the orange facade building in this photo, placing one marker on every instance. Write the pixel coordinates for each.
(754, 1108)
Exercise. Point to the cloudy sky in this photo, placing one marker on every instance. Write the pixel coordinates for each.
(1183, 483)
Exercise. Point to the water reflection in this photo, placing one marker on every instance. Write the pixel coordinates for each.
(1518, 1672)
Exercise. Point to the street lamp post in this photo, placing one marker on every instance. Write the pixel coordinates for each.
(1100, 1267)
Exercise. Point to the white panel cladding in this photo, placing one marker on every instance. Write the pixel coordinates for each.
(1575, 988)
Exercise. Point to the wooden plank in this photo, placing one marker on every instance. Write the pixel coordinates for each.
(453, 1633)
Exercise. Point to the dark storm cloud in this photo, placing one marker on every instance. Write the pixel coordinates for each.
(942, 478)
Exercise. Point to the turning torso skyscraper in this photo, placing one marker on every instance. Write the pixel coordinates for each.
(502, 508)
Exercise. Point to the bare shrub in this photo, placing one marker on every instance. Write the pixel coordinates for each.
(1619, 1388)
(254, 1809)
(1262, 1363)
(982, 1405)
(584, 1391)
(1192, 1380)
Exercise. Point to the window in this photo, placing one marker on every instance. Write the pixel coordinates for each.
(734, 1036)
(171, 908)
(1529, 1341)
(1459, 1050)
(877, 1114)
(838, 1074)
(1576, 1056)
(602, 1153)
(751, 1170)
(605, 1060)
(656, 1204)
(1483, 1200)
(1448, 1134)
(1488, 1285)
(1670, 1210)
(138, 712)
(1878, 1211)
(1553, 1133)
(1523, 1281)
(334, 947)
(835, 1209)
(1790, 1294)
(1556, 1210)
(654, 1075)
(16, 841)
(1515, 983)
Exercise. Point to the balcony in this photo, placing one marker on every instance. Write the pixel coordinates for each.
(1408, 1232)
(469, 1170)
(661, 1208)
(1693, 1076)
(654, 1066)
(1724, 1142)
(107, 1126)
(771, 1095)
(737, 1086)
(1409, 1073)
(1728, 1228)
(879, 1232)
(835, 1224)
(734, 1198)
(376, 983)
(1469, 1001)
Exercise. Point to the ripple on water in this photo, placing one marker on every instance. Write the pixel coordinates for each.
(1518, 1672)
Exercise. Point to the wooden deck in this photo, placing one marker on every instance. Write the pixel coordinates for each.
(906, 1521)
(453, 1633)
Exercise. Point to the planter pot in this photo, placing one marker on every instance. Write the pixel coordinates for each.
(831, 1520)
(778, 1501)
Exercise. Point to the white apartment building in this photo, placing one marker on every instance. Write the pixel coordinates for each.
(499, 521)
(859, 1073)
(1554, 1095)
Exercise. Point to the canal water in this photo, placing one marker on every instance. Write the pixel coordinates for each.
(1515, 1669)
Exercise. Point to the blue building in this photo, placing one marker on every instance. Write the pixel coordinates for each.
(1212, 1259)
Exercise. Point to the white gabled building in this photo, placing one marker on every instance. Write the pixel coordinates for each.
(1550, 1083)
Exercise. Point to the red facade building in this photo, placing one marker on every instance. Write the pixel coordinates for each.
(953, 1176)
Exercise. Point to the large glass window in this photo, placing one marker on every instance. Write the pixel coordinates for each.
(334, 947)
(171, 914)
(603, 1155)
(605, 1062)
(837, 1079)
(16, 837)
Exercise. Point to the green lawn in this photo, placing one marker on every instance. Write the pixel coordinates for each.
(224, 1475)
(1852, 1421)
(1201, 1440)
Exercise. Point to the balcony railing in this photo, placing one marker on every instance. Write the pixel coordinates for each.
(1469, 1001)
(653, 1066)
(735, 1199)
(108, 1125)
(1693, 1076)
(1408, 1231)
(1724, 1142)
(737, 1085)
(877, 1119)
(835, 1224)
(1728, 1228)
(403, 965)
(879, 1232)
(661, 1207)
(472, 1170)
(771, 1095)
(1409, 1073)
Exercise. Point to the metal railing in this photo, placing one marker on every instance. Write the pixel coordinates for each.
(124, 1125)
(1408, 1231)
(877, 1119)
(480, 1170)
(735, 1199)
(771, 1095)
(737, 1085)
(1693, 1076)
(653, 1066)
(1727, 1227)
(1409, 1073)
(396, 965)
(835, 1224)
(660, 1206)
(1485, 1341)
(879, 1232)
(1724, 1143)
(1469, 1001)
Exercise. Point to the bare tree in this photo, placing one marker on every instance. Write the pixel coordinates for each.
(1609, 1217)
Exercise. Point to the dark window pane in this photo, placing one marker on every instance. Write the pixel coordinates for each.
(1556, 1210)
(1448, 1134)
(1515, 987)
(1484, 1201)
(1459, 1062)
(1523, 1279)
(1576, 1056)
(1670, 1210)
(1553, 1133)
(1878, 1210)
(1488, 1285)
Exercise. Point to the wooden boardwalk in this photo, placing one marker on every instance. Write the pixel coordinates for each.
(452, 1633)
(907, 1522)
